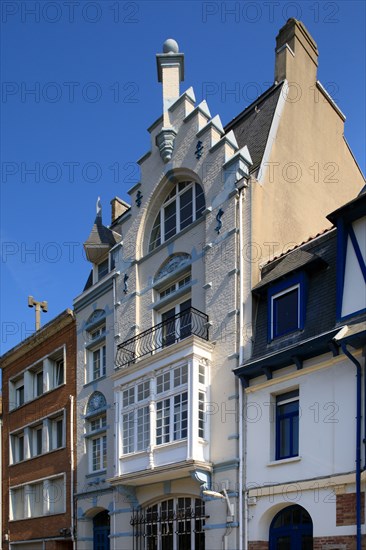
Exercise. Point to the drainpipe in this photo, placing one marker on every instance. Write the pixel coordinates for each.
(358, 440)
(242, 513)
(72, 468)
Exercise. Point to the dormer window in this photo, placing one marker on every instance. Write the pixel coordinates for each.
(285, 311)
(102, 269)
(183, 205)
(286, 307)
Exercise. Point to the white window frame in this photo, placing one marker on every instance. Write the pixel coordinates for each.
(94, 434)
(48, 500)
(196, 214)
(278, 295)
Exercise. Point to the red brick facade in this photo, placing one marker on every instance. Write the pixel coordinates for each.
(337, 543)
(346, 509)
(320, 543)
(59, 333)
(258, 545)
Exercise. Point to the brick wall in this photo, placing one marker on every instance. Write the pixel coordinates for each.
(54, 462)
(258, 545)
(337, 543)
(346, 509)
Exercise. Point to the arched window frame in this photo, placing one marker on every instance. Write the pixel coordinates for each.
(96, 432)
(183, 205)
(174, 522)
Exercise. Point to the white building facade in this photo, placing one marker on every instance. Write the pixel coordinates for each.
(167, 314)
(305, 394)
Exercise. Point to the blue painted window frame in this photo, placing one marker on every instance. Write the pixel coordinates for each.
(293, 416)
(297, 280)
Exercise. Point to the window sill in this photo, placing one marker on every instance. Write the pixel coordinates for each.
(284, 461)
(96, 473)
(38, 456)
(37, 397)
(38, 517)
(96, 380)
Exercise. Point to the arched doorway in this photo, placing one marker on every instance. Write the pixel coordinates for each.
(291, 529)
(101, 530)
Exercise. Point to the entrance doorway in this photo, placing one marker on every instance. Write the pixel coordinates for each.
(101, 530)
(291, 529)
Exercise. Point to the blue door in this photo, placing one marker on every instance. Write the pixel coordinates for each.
(291, 529)
(101, 530)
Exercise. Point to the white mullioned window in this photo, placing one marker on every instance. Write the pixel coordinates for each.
(96, 353)
(31, 441)
(183, 205)
(168, 417)
(39, 498)
(136, 417)
(97, 443)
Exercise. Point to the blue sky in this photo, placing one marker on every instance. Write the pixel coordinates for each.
(91, 66)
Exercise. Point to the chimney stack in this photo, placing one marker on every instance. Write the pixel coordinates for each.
(296, 54)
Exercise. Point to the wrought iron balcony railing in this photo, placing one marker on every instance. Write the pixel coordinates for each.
(168, 332)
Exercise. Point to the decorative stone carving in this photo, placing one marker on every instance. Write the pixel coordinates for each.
(173, 264)
(96, 401)
(165, 142)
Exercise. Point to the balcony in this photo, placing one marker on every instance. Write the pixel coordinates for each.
(188, 322)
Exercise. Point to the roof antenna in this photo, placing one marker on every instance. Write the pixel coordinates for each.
(38, 306)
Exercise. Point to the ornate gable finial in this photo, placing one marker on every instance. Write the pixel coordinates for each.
(99, 208)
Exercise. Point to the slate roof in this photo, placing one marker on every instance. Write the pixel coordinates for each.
(251, 127)
(320, 316)
(101, 235)
(298, 259)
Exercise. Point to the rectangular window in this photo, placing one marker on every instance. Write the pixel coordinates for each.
(180, 376)
(163, 421)
(35, 499)
(17, 503)
(19, 394)
(37, 438)
(287, 306)
(54, 495)
(143, 428)
(168, 328)
(185, 319)
(287, 425)
(163, 382)
(180, 416)
(38, 383)
(17, 443)
(201, 414)
(56, 433)
(102, 269)
(99, 453)
(285, 312)
(128, 432)
(99, 363)
(58, 373)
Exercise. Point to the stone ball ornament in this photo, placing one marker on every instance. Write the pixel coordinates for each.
(170, 46)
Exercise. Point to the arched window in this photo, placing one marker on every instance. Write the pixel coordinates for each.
(183, 205)
(292, 527)
(173, 523)
(96, 434)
